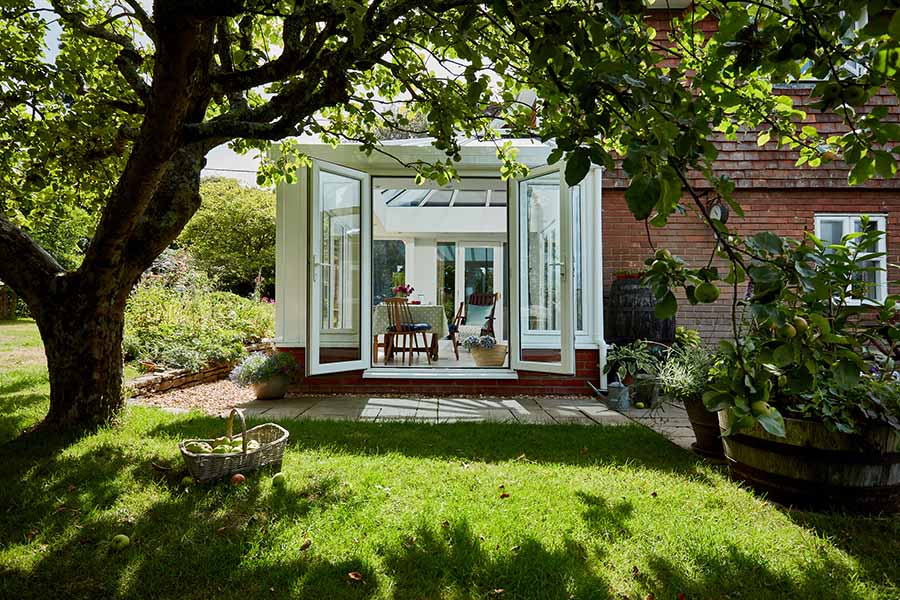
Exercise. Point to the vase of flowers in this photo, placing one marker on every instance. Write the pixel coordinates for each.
(268, 374)
(485, 350)
(403, 290)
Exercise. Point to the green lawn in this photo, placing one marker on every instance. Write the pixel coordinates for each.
(447, 511)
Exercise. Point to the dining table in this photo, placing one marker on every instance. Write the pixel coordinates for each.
(433, 314)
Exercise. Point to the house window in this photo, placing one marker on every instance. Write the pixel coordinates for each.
(831, 228)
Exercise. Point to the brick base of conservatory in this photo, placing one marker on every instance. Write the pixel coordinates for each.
(587, 369)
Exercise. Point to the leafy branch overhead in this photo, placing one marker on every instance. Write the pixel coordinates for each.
(114, 121)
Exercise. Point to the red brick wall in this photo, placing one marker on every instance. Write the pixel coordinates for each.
(786, 212)
(587, 369)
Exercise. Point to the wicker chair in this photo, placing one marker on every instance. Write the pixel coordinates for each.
(403, 326)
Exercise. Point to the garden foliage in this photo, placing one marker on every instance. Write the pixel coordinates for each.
(810, 341)
(191, 328)
(232, 235)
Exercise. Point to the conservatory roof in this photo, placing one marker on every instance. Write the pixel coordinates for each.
(393, 157)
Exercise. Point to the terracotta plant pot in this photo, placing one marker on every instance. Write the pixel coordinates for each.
(706, 429)
(272, 389)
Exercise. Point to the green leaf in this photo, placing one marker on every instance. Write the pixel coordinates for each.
(894, 26)
(772, 422)
(714, 400)
(555, 155)
(578, 164)
(862, 171)
(846, 374)
(641, 196)
(783, 355)
(667, 307)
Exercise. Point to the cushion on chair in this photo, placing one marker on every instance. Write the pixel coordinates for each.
(412, 327)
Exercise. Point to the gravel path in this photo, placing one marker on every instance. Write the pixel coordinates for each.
(212, 398)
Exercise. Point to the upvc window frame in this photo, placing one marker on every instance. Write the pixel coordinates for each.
(849, 220)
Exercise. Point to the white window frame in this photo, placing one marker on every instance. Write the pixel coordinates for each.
(849, 220)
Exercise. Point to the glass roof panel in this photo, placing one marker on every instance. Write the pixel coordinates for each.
(439, 198)
(395, 198)
(471, 198)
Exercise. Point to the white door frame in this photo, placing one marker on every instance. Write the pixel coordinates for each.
(315, 268)
(519, 267)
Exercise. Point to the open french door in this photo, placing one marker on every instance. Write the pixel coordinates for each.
(542, 286)
(339, 280)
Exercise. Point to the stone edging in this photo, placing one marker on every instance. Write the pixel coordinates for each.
(176, 379)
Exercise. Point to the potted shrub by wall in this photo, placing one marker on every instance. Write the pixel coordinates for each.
(269, 374)
(635, 365)
(809, 396)
(683, 378)
(485, 350)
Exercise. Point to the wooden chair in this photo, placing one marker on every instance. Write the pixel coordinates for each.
(403, 326)
(472, 328)
(458, 321)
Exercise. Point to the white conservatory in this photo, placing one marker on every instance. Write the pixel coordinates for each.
(517, 261)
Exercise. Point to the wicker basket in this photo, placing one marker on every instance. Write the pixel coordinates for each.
(272, 440)
(494, 357)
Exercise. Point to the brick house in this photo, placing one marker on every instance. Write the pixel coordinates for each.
(351, 227)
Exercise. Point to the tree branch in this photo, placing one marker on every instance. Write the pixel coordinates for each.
(24, 265)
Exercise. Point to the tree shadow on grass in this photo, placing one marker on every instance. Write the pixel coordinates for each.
(580, 445)
(731, 572)
(858, 537)
(200, 541)
(451, 560)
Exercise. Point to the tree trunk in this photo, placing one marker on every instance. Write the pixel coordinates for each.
(82, 337)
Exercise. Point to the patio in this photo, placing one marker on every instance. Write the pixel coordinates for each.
(669, 421)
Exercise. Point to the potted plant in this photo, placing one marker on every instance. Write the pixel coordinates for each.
(635, 366)
(683, 377)
(403, 290)
(808, 395)
(269, 374)
(485, 350)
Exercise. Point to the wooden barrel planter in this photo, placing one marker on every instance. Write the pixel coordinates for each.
(813, 467)
(629, 314)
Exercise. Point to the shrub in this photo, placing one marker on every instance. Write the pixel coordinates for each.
(260, 366)
(232, 235)
(685, 372)
(193, 328)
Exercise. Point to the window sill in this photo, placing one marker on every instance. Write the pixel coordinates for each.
(438, 373)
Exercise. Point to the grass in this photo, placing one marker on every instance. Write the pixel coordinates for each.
(493, 511)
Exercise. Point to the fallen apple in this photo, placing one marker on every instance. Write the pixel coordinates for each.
(119, 542)
(278, 480)
(237, 479)
(187, 480)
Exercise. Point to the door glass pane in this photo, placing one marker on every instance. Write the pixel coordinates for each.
(446, 273)
(339, 268)
(540, 278)
(388, 258)
(479, 279)
(580, 239)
